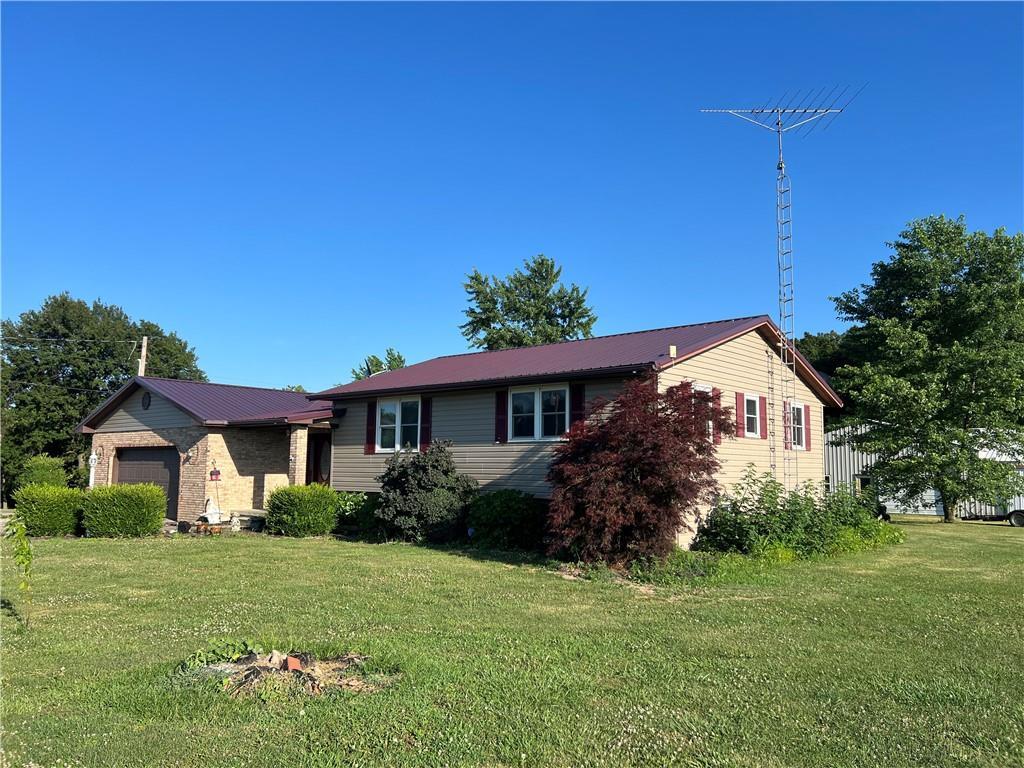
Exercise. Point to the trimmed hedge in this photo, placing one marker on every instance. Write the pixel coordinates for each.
(124, 510)
(43, 470)
(506, 519)
(48, 510)
(308, 510)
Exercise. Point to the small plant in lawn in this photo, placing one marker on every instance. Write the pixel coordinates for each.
(124, 510)
(49, 510)
(309, 510)
(625, 479)
(423, 496)
(43, 470)
(22, 555)
(506, 519)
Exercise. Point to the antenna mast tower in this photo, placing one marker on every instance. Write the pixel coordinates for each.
(807, 112)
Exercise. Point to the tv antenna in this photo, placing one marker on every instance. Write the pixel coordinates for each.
(796, 112)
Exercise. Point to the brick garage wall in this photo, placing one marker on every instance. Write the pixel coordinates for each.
(252, 463)
(298, 451)
(191, 471)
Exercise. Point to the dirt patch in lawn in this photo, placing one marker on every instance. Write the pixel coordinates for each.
(268, 675)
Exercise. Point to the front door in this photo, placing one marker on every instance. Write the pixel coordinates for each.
(319, 467)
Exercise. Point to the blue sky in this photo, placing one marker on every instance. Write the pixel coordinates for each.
(292, 187)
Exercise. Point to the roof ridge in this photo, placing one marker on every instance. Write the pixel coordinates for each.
(592, 338)
(219, 384)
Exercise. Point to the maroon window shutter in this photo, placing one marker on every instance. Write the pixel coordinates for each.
(762, 409)
(370, 444)
(426, 419)
(716, 401)
(807, 427)
(501, 416)
(577, 402)
(787, 426)
(741, 414)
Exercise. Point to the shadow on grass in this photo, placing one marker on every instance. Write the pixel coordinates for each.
(463, 549)
(10, 609)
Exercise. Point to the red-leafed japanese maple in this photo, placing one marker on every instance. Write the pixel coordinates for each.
(625, 479)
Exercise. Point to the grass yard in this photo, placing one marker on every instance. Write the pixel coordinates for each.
(908, 656)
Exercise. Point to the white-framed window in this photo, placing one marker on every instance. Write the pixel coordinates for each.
(538, 413)
(708, 389)
(796, 425)
(751, 416)
(398, 424)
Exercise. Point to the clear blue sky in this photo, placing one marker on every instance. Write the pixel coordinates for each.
(292, 187)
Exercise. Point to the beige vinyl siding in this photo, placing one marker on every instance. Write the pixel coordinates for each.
(467, 420)
(130, 416)
(741, 365)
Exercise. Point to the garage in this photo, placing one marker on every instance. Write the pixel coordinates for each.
(151, 465)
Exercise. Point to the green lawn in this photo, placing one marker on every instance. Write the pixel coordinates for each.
(910, 656)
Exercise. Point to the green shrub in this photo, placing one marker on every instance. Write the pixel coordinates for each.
(43, 470)
(423, 496)
(760, 518)
(348, 509)
(48, 510)
(124, 510)
(307, 510)
(506, 519)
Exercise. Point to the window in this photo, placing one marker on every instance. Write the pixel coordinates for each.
(828, 484)
(752, 416)
(539, 414)
(398, 424)
(796, 425)
(862, 483)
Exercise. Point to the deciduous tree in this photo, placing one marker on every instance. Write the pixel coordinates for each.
(61, 361)
(941, 387)
(392, 361)
(530, 306)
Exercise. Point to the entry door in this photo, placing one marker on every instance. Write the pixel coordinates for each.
(319, 468)
(151, 465)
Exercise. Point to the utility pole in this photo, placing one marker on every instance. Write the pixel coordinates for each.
(142, 356)
(799, 112)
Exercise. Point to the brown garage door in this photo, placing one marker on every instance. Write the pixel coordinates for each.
(151, 465)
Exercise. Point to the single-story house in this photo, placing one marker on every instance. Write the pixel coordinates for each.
(208, 445)
(503, 412)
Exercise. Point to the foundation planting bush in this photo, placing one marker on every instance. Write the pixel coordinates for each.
(624, 482)
(49, 510)
(506, 519)
(124, 510)
(306, 510)
(759, 517)
(423, 496)
(43, 470)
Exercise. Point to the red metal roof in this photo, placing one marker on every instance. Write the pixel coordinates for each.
(619, 353)
(220, 404)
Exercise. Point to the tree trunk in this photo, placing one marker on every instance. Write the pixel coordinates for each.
(949, 504)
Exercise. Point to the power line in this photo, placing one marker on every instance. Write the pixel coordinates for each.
(33, 339)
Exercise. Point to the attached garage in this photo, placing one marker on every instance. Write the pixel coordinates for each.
(211, 447)
(150, 465)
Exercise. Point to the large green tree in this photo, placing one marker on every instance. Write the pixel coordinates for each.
(393, 360)
(530, 306)
(941, 385)
(61, 361)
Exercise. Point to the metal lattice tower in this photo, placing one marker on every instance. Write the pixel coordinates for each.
(781, 119)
